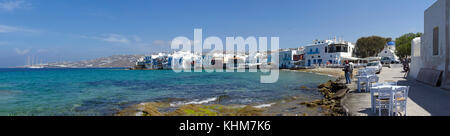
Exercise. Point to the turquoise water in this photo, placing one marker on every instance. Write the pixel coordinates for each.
(94, 92)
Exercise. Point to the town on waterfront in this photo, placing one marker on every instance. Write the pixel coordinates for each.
(398, 74)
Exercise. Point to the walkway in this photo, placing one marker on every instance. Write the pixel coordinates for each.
(424, 100)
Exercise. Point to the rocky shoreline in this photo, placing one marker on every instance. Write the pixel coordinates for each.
(158, 108)
(333, 92)
(329, 105)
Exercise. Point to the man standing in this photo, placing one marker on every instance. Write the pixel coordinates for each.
(405, 63)
(348, 70)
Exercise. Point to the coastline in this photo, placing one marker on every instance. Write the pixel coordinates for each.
(329, 105)
(334, 72)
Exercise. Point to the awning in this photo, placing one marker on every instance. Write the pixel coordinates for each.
(350, 58)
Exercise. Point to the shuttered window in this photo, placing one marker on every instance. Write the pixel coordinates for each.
(436, 41)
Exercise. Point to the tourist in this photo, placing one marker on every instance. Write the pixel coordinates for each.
(347, 69)
(405, 67)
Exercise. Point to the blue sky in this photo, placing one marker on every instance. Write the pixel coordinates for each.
(72, 30)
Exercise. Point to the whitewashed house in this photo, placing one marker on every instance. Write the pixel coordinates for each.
(287, 57)
(237, 60)
(328, 52)
(431, 52)
(186, 60)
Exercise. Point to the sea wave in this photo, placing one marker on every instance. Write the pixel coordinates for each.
(196, 101)
(263, 105)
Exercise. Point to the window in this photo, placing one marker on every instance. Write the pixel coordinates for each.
(436, 41)
(317, 50)
(326, 50)
(338, 49)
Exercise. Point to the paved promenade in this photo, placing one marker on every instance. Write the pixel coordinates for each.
(424, 100)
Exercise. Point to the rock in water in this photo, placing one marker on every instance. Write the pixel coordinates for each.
(326, 85)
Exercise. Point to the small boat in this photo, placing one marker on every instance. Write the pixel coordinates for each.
(35, 66)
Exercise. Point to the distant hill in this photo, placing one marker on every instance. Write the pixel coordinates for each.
(115, 61)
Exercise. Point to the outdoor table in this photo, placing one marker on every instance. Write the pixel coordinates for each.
(373, 90)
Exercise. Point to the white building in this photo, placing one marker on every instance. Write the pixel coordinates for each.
(328, 52)
(157, 61)
(186, 60)
(235, 60)
(388, 51)
(287, 57)
(431, 52)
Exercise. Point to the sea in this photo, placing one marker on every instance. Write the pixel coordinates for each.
(106, 91)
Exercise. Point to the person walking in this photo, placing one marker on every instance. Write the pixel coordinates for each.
(405, 67)
(348, 70)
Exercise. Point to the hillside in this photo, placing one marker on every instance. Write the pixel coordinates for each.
(104, 62)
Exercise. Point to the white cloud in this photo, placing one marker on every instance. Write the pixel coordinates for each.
(11, 5)
(21, 52)
(160, 43)
(114, 38)
(9, 29)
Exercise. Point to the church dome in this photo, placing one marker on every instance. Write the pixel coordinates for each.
(391, 43)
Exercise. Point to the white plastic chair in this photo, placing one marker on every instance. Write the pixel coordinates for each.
(384, 100)
(400, 100)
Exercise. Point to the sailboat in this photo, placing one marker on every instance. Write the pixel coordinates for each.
(32, 65)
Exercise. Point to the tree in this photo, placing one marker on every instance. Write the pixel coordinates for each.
(403, 44)
(370, 46)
